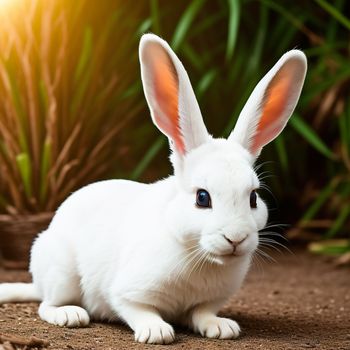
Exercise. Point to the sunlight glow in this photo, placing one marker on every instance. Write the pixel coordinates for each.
(9, 8)
(6, 3)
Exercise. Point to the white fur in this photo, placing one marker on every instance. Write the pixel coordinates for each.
(245, 129)
(145, 253)
(15, 292)
(191, 121)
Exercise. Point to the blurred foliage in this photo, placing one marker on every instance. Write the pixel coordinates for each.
(69, 81)
(62, 93)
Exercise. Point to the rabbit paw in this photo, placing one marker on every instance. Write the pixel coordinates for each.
(218, 327)
(157, 333)
(64, 316)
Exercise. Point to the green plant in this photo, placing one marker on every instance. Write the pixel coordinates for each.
(65, 71)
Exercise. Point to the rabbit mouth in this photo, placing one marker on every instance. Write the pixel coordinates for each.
(223, 258)
(232, 252)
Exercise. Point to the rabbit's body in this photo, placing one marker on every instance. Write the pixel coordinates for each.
(172, 251)
(133, 262)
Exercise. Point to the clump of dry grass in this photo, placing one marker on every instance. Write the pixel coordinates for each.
(63, 100)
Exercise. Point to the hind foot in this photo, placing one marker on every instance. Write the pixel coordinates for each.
(64, 316)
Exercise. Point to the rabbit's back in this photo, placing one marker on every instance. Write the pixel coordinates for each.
(95, 232)
(91, 205)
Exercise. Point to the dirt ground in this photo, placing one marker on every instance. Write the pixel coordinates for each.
(299, 302)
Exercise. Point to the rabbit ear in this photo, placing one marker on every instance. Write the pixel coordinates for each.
(168, 91)
(271, 104)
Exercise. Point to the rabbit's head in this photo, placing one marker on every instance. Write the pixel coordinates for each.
(215, 206)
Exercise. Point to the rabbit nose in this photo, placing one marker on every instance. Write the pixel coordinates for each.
(236, 242)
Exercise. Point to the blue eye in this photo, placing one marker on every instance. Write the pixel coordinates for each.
(203, 199)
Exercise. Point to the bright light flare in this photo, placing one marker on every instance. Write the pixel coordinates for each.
(7, 3)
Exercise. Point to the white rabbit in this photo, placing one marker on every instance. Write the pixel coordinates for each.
(173, 251)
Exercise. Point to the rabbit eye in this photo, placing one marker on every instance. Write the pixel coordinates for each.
(203, 199)
(253, 198)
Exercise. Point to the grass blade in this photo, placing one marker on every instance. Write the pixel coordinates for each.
(255, 58)
(45, 165)
(185, 23)
(339, 221)
(191, 55)
(24, 166)
(85, 54)
(333, 11)
(17, 101)
(321, 199)
(282, 152)
(83, 72)
(148, 157)
(310, 136)
(233, 24)
(330, 247)
(155, 17)
(145, 26)
(205, 82)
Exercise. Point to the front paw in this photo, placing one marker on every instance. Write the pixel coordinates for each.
(156, 333)
(218, 327)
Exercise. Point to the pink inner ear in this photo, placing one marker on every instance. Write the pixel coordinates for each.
(166, 91)
(272, 117)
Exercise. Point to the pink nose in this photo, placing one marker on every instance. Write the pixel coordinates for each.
(235, 243)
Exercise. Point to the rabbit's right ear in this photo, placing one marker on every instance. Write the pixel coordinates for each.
(170, 97)
(271, 104)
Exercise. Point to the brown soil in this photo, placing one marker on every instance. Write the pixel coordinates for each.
(300, 302)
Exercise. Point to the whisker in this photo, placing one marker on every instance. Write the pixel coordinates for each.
(268, 245)
(271, 240)
(192, 261)
(264, 254)
(263, 173)
(273, 225)
(183, 259)
(205, 260)
(280, 245)
(197, 263)
(275, 234)
(262, 178)
(256, 261)
(257, 167)
(197, 254)
(266, 188)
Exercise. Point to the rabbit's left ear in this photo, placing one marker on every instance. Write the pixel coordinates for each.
(170, 97)
(271, 104)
